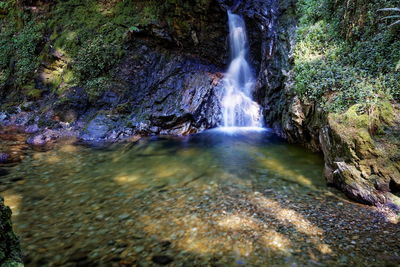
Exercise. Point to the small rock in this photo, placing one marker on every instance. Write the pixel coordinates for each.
(16, 179)
(161, 259)
(4, 172)
(32, 129)
(79, 256)
(4, 157)
(139, 249)
(165, 244)
(123, 216)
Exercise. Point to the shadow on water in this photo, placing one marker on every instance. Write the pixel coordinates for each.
(210, 199)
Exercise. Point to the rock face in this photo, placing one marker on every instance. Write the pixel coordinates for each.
(169, 80)
(153, 91)
(10, 254)
(170, 93)
(364, 166)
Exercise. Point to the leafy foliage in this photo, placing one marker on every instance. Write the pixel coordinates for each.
(341, 63)
(88, 37)
(94, 57)
(96, 87)
(19, 53)
(25, 45)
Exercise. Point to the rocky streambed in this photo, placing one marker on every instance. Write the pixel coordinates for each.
(212, 199)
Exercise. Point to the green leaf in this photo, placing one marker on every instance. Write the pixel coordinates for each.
(134, 29)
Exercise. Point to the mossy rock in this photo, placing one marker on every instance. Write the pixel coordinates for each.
(10, 253)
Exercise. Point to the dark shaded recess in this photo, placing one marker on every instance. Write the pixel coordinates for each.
(4, 172)
(162, 260)
(394, 187)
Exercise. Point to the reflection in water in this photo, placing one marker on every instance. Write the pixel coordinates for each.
(216, 198)
(217, 155)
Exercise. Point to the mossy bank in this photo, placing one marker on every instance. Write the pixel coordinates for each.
(340, 94)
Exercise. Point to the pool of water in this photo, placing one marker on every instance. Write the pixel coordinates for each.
(219, 198)
(242, 157)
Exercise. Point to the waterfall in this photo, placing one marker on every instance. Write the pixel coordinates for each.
(239, 110)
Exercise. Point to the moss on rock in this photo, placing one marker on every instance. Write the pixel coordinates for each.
(10, 253)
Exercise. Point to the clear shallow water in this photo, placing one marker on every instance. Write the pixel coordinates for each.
(219, 198)
(218, 155)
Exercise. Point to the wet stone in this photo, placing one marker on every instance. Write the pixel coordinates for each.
(162, 260)
(17, 179)
(4, 157)
(4, 172)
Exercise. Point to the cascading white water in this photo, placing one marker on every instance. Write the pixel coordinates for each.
(239, 110)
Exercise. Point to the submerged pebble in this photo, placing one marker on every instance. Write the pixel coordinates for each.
(115, 214)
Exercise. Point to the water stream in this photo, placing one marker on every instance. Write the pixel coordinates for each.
(210, 199)
(238, 107)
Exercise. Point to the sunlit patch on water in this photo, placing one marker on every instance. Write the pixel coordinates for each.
(13, 200)
(211, 198)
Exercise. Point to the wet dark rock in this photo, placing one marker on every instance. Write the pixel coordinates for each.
(3, 172)
(109, 99)
(3, 117)
(79, 256)
(165, 244)
(17, 179)
(162, 260)
(27, 259)
(49, 136)
(73, 99)
(32, 129)
(203, 37)
(116, 258)
(23, 118)
(4, 157)
(97, 128)
(42, 261)
(178, 95)
(38, 140)
(10, 253)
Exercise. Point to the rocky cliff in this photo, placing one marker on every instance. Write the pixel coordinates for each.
(167, 80)
(360, 144)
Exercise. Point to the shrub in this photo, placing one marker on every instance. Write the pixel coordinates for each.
(96, 87)
(339, 71)
(94, 58)
(19, 53)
